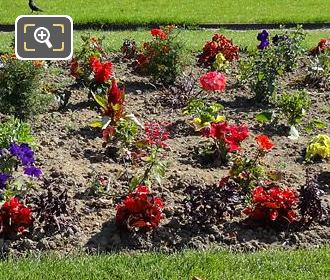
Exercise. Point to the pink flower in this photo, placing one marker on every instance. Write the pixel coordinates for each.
(213, 81)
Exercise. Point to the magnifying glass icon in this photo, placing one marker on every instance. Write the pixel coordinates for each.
(42, 35)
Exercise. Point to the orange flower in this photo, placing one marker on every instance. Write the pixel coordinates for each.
(264, 142)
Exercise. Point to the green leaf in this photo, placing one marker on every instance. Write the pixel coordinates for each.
(101, 100)
(264, 117)
(96, 123)
(317, 123)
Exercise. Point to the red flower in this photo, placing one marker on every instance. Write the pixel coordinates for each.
(158, 33)
(274, 204)
(116, 99)
(140, 210)
(14, 217)
(264, 142)
(230, 135)
(102, 71)
(213, 81)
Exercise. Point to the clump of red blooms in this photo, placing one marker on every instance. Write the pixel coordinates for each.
(219, 44)
(156, 32)
(321, 47)
(230, 135)
(114, 109)
(273, 204)
(15, 218)
(140, 210)
(213, 81)
(102, 71)
(264, 142)
(155, 134)
(157, 47)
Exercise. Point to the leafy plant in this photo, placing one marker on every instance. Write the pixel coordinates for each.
(140, 210)
(293, 106)
(52, 211)
(319, 147)
(310, 202)
(246, 171)
(20, 89)
(153, 143)
(14, 130)
(80, 66)
(180, 93)
(288, 47)
(203, 113)
(161, 58)
(204, 207)
(261, 71)
(318, 71)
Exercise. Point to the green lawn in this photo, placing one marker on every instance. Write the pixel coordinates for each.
(308, 264)
(176, 11)
(193, 39)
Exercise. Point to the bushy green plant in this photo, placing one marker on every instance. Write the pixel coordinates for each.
(318, 72)
(20, 89)
(161, 58)
(288, 47)
(293, 106)
(15, 130)
(261, 71)
(204, 114)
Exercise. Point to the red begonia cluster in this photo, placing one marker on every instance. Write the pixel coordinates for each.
(274, 204)
(14, 217)
(140, 210)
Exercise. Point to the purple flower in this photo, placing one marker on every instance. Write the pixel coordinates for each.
(32, 171)
(263, 45)
(3, 180)
(23, 152)
(263, 35)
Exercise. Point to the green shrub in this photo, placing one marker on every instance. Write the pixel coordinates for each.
(20, 89)
(293, 106)
(15, 130)
(162, 57)
(261, 71)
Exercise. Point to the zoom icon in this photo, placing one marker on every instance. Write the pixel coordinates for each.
(44, 37)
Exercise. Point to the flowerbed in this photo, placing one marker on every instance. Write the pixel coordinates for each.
(122, 168)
